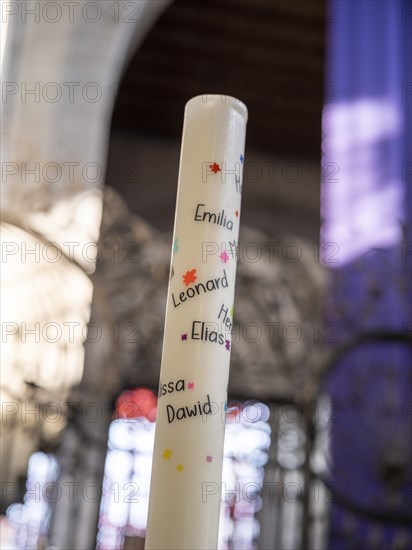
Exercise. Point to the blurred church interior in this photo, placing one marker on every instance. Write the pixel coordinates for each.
(320, 394)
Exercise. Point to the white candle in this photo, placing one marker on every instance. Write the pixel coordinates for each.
(188, 452)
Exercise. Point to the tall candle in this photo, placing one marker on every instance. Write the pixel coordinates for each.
(185, 489)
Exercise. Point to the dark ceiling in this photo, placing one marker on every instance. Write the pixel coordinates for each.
(269, 54)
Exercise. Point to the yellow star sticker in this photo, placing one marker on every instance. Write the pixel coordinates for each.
(167, 453)
(179, 467)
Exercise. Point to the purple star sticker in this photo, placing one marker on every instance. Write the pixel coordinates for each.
(227, 344)
(184, 337)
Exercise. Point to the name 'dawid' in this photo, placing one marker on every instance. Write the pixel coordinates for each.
(181, 413)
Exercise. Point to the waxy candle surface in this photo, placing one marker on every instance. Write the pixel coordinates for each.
(187, 463)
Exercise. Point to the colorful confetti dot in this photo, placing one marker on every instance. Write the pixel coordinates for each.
(242, 158)
(215, 167)
(224, 256)
(232, 311)
(191, 385)
(237, 213)
(189, 277)
(184, 337)
(227, 345)
(167, 453)
(175, 246)
(209, 458)
(179, 467)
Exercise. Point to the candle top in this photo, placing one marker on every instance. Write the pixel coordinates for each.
(216, 100)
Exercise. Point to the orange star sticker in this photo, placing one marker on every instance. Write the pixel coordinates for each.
(189, 277)
(215, 167)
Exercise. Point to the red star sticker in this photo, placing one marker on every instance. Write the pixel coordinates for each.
(214, 167)
(189, 277)
(237, 213)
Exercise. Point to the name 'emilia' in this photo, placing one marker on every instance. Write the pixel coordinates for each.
(211, 217)
(199, 288)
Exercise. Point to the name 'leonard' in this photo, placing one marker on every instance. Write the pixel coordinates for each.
(200, 288)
